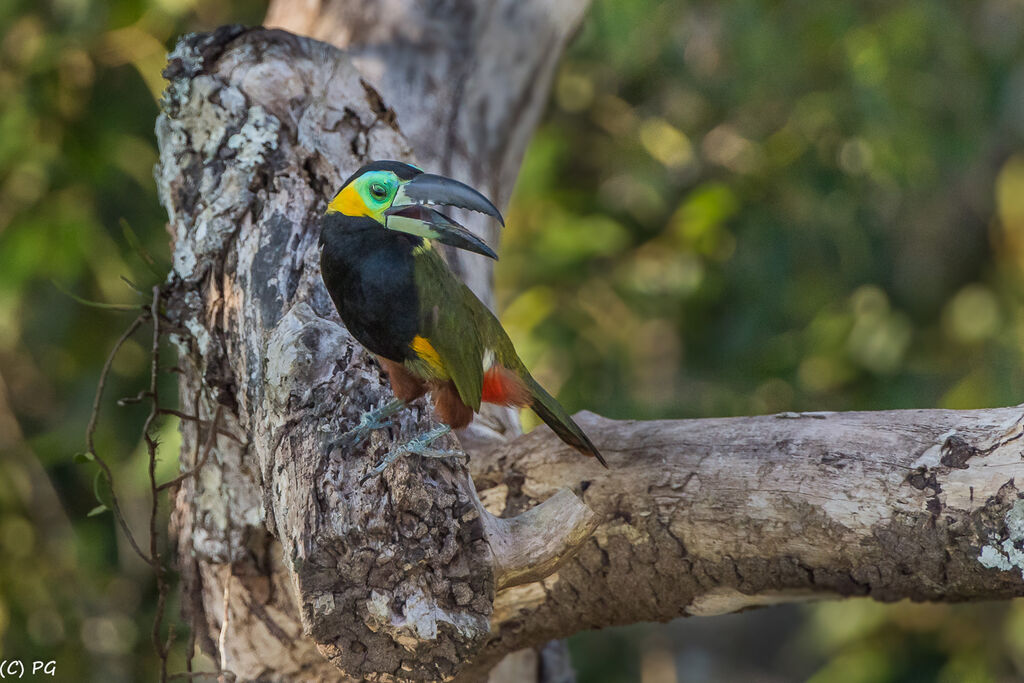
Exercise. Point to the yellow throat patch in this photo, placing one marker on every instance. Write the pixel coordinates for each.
(349, 203)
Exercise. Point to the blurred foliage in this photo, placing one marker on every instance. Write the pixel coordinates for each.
(80, 81)
(731, 208)
(761, 206)
(752, 207)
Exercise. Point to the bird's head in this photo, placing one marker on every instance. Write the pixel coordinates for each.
(401, 197)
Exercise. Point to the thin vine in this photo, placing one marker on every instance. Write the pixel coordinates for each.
(152, 314)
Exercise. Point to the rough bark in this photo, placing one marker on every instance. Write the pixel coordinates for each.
(705, 517)
(468, 81)
(278, 542)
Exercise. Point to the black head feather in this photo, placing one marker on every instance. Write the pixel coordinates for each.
(403, 170)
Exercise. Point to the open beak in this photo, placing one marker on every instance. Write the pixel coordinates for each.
(412, 212)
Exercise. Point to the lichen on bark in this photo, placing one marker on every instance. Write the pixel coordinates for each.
(391, 578)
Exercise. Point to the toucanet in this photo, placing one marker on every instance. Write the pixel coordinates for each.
(398, 298)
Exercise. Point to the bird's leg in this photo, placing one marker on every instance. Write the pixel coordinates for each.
(368, 421)
(420, 446)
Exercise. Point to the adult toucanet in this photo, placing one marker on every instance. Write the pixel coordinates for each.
(398, 298)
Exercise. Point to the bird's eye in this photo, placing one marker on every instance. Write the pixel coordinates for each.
(378, 191)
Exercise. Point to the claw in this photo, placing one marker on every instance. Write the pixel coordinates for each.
(369, 421)
(420, 446)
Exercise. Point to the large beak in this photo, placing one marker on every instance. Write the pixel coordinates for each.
(411, 212)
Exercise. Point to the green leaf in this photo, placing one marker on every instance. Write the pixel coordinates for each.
(83, 458)
(98, 510)
(101, 489)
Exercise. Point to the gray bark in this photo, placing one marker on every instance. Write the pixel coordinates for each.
(288, 560)
(295, 571)
(706, 517)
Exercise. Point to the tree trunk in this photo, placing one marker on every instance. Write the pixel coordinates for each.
(391, 579)
(293, 570)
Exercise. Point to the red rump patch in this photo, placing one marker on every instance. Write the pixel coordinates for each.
(504, 387)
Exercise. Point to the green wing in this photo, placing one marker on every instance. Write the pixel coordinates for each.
(462, 331)
(450, 319)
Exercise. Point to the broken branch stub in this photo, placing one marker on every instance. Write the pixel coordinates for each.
(392, 579)
(531, 545)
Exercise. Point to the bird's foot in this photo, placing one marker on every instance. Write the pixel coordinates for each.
(420, 446)
(368, 422)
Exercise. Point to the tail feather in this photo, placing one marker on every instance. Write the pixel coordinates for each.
(555, 416)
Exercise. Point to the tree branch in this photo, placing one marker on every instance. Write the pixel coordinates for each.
(705, 517)
(531, 545)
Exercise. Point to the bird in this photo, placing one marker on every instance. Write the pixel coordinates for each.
(400, 300)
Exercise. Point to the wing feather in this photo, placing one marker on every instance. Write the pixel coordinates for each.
(449, 312)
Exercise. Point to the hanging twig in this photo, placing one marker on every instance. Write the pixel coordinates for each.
(207, 449)
(192, 418)
(162, 647)
(153, 558)
(90, 432)
(132, 400)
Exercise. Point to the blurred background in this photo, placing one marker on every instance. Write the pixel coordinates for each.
(730, 208)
